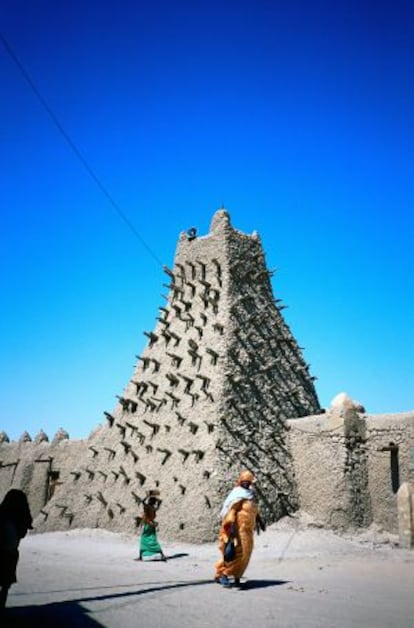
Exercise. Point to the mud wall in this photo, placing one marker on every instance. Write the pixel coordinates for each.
(348, 466)
(221, 385)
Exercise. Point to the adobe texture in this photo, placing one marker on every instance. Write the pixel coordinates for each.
(210, 394)
(220, 386)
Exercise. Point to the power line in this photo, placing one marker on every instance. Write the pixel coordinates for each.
(74, 148)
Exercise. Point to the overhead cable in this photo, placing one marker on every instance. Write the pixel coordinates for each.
(75, 149)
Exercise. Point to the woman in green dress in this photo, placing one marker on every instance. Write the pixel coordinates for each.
(149, 544)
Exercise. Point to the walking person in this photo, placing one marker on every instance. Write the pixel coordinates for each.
(15, 520)
(239, 519)
(149, 544)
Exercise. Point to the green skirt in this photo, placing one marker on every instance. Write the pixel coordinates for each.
(148, 542)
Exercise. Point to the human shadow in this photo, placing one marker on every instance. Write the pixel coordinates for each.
(158, 559)
(70, 613)
(178, 555)
(151, 589)
(261, 584)
(62, 614)
(22, 594)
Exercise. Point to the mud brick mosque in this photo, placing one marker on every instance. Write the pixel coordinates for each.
(221, 385)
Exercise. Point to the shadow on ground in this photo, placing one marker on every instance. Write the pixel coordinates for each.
(261, 584)
(70, 613)
(158, 559)
(62, 614)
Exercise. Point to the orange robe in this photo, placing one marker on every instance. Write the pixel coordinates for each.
(243, 515)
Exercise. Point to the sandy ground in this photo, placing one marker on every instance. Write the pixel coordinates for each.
(299, 576)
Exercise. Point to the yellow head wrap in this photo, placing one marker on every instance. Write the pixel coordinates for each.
(246, 476)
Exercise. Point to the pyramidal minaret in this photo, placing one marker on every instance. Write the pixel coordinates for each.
(210, 394)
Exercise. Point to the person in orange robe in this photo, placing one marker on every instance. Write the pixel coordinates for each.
(239, 519)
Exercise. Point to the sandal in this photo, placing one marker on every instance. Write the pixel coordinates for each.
(224, 581)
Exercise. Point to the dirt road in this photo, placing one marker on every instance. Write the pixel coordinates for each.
(298, 577)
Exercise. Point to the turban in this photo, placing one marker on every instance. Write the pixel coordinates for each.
(246, 476)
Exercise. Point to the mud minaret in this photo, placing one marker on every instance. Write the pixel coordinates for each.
(210, 394)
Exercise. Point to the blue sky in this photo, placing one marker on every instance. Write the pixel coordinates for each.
(296, 116)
